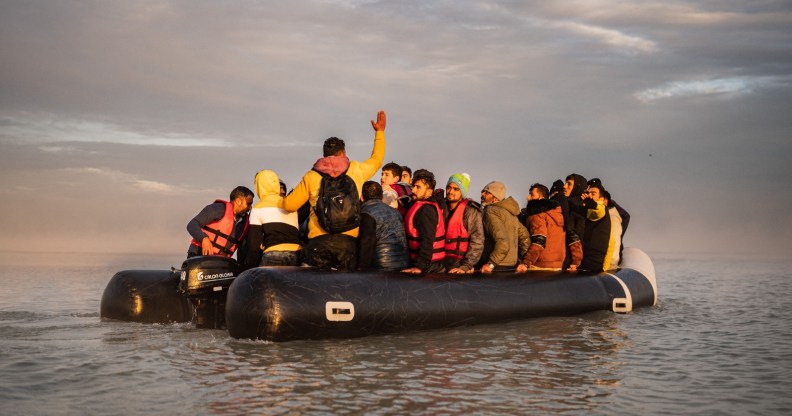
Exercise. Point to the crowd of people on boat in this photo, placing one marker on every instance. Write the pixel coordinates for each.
(337, 218)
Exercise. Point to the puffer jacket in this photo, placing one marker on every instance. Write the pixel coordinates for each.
(505, 239)
(390, 241)
(545, 222)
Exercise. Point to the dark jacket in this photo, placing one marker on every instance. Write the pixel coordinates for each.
(382, 243)
(575, 221)
(597, 245)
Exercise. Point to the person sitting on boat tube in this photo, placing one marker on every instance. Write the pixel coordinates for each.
(616, 231)
(274, 236)
(623, 214)
(326, 250)
(544, 220)
(596, 239)
(221, 226)
(424, 226)
(464, 240)
(574, 221)
(382, 243)
(505, 240)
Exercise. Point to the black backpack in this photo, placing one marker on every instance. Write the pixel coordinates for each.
(338, 204)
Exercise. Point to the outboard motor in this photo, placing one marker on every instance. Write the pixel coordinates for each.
(205, 281)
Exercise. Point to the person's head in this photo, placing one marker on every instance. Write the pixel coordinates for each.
(568, 185)
(391, 173)
(537, 192)
(595, 192)
(493, 192)
(371, 190)
(334, 147)
(282, 187)
(241, 199)
(406, 175)
(457, 187)
(423, 184)
(574, 186)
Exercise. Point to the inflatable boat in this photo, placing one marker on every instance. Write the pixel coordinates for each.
(289, 303)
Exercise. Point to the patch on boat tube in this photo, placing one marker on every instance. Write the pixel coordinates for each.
(339, 311)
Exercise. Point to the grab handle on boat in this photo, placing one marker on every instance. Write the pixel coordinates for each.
(622, 305)
(339, 311)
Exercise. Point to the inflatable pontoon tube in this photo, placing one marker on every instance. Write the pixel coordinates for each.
(289, 303)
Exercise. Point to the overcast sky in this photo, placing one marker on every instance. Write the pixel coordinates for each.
(120, 120)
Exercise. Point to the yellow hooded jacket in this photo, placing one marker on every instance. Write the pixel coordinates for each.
(308, 188)
(269, 208)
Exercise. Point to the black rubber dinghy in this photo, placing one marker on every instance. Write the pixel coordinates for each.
(289, 303)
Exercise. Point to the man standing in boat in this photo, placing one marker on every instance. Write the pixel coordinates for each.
(464, 240)
(505, 239)
(424, 226)
(220, 227)
(327, 249)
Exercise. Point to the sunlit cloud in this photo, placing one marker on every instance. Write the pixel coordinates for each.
(728, 87)
(607, 36)
(132, 181)
(30, 128)
(153, 186)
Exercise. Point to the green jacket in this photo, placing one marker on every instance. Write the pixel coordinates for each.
(506, 240)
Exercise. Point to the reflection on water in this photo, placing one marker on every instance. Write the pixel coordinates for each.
(718, 342)
(543, 364)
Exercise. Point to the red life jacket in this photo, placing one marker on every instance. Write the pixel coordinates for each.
(219, 232)
(438, 247)
(457, 238)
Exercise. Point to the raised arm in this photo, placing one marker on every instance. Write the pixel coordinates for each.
(369, 167)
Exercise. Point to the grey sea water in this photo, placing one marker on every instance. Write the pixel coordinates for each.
(718, 342)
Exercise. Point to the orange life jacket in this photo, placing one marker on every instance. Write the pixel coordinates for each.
(457, 238)
(438, 247)
(219, 232)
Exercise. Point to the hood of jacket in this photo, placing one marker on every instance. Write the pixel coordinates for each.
(509, 204)
(332, 165)
(268, 190)
(580, 185)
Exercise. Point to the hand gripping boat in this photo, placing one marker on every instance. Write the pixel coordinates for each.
(289, 303)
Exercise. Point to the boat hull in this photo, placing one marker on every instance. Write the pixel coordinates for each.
(289, 303)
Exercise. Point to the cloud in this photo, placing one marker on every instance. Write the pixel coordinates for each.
(153, 186)
(607, 36)
(42, 128)
(132, 181)
(728, 87)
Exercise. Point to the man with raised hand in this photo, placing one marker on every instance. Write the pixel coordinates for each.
(335, 250)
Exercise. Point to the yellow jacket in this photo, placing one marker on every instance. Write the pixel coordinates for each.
(308, 188)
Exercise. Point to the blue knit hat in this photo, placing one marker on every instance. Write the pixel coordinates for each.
(462, 180)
